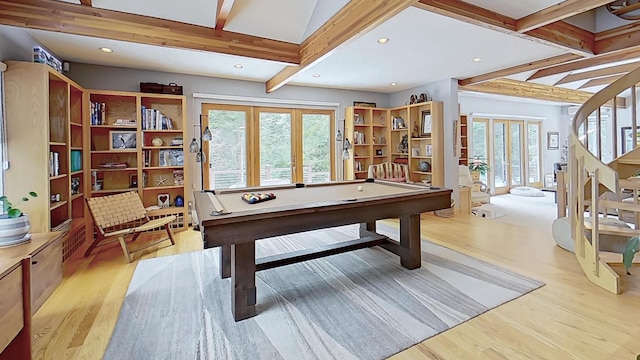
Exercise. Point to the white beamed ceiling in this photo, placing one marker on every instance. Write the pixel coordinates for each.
(424, 47)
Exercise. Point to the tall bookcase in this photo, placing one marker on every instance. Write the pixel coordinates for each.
(367, 131)
(137, 143)
(46, 149)
(463, 140)
(422, 145)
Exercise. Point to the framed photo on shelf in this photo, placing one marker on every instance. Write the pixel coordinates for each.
(426, 122)
(121, 140)
(164, 200)
(553, 140)
(364, 104)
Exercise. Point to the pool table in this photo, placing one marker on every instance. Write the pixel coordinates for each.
(225, 220)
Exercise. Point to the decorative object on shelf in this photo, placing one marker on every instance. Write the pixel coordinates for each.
(403, 146)
(425, 166)
(424, 98)
(164, 200)
(120, 140)
(383, 141)
(415, 151)
(178, 177)
(177, 141)
(378, 152)
(40, 55)
(98, 185)
(357, 119)
(157, 141)
(133, 180)
(161, 181)
(382, 120)
(427, 150)
(171, 157)
(75, 185)
(415, 132)
(14, 225)
(179, 200)
(155, 88)
(553, 140)
(55, 198)
(364, 104)
(413, 99)
(426, 123)
(338, 136)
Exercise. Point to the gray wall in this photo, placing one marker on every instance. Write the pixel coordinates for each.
(16, 44)
(123, 79)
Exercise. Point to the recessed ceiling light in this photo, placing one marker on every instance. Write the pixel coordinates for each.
(394, 84)
(106, 49)
(316, 75)
(238, 66)
(383, 40)
(477, 59)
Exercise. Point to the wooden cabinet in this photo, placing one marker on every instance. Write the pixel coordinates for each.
(46, 273)
(29, 273)
(367, 131)
(413, 134)
(137, 143)
(46, 145)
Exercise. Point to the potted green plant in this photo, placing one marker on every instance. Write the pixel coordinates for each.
(14, 225)
(478, 166)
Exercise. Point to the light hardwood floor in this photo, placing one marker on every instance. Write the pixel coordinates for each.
(569, 318)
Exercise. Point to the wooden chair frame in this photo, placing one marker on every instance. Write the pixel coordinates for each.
(119, 215)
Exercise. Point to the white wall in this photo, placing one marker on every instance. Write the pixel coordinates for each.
(123, 79)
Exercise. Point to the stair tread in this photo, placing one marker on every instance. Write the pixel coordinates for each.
(629, 184)
(613, 230)
(628, 161)
(628, 206)
(616, 258)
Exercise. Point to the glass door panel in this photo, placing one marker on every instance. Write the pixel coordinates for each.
(480, 143)
(275, 147)
(500, 157)
(226, 156)
(516, 156)
(533, 146)
(316, 148)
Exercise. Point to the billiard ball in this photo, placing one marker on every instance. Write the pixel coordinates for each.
(359, 187)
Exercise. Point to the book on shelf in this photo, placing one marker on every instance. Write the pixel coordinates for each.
(147, 157)
(54, 163)
(98, 113)
(113, 165)
(124, 122)
(153, 119)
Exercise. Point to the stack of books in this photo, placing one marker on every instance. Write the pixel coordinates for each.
(124, 122)
(54, 163)
(113, 165)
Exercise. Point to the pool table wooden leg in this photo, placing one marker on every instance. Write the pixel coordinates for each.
(243, 280)
(410, 253)
(225, 261)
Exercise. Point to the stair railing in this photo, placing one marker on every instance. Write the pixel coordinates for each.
(589, 176)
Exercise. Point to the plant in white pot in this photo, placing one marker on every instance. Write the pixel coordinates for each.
(14, 225)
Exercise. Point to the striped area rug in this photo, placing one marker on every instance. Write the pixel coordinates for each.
(356, 305)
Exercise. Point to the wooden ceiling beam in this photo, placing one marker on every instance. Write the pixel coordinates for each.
(600, 81)
(620, 38)
(530, 90)
(557, 12)
(534, 65)
(626, 54)
(559, 34)
(612, 70)
(354, 19)
(222, 13)
(76, 19)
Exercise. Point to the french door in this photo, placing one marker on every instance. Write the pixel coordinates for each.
(508, 155)
(254, 146)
